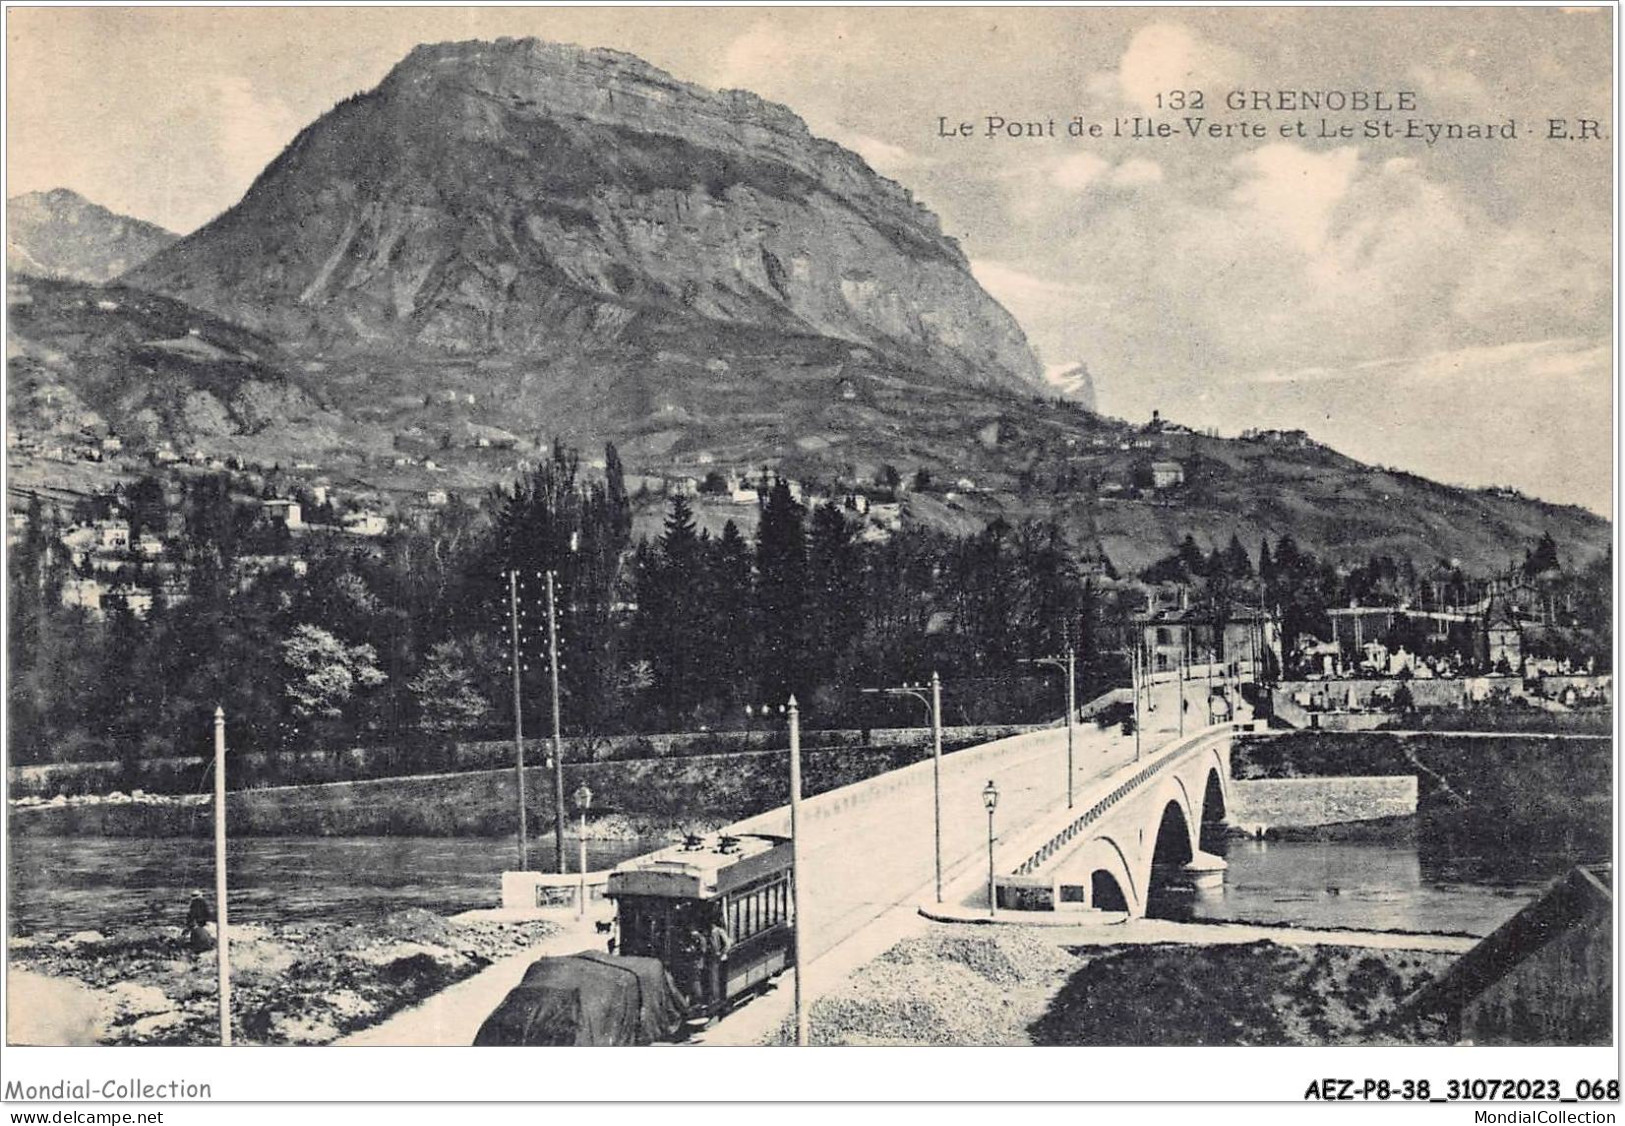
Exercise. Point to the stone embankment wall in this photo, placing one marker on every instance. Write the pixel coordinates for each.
(1296, 803)
(705, 788)
(189, 774)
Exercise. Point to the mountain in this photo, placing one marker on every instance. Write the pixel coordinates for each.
(60, 234)
(151, 369)
(530, 199)
(1074, 382)
(513, 242)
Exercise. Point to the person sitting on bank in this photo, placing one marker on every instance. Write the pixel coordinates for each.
(198, 918)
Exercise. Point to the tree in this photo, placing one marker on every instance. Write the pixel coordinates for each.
(781, 593)
(1543, 558)
(834, 605)
(327, 674)
(444, 690)
(674, 612)
(714, 485)
(1236, 561)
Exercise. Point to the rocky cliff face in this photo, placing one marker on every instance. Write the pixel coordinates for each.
(60, 234)
(523, 197)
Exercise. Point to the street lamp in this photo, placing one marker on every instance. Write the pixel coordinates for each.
(1068, 663)
(797, 935)
(990, 798)
(583, 796)
(933, 707)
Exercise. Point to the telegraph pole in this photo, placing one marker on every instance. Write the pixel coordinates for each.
(798, 933)
(558, 745)
(222, 944)
(518, 712)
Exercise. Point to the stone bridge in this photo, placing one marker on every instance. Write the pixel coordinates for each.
(1128, 834)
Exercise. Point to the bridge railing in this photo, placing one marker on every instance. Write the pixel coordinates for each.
(1051, 840)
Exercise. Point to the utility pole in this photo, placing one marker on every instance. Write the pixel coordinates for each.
(933, 707)
(1182, 693)
(222, 943)
(558, 746)
(1069, 664)
(1135, 677)
(936, 773)
(798, 933)
(518, 712)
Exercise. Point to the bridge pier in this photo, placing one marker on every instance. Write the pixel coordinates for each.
(1206, 870)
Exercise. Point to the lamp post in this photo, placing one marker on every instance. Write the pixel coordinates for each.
(795, 872)
(792, 711)
(1069, 663)
(990, 798)
(222, 943)
(933, 707)
(1182, 693)
(583, 796)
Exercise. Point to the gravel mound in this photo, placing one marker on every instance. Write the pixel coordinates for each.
(945, 987)
(1009, 958)
(305, 983)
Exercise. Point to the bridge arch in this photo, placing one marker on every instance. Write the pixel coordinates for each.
(1101, 866)
(1169, 836)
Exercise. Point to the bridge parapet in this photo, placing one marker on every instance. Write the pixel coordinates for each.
(1030, 884)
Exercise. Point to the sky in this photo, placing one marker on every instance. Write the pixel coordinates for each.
(1442, 308)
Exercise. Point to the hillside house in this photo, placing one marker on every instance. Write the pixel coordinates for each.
(112, 535)
(284, 511)
(437, 498)
(85, 594)
(149, 545)
(366, 523)
(1167, 474)
(137, 600)
(888, 515)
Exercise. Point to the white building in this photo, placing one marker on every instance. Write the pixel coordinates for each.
(284, 510)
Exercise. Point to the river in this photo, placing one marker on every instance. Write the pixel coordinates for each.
(1356, 885)
(65, 884)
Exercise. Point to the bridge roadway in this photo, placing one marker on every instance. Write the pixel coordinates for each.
(865, 852)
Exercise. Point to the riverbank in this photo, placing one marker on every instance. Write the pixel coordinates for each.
(690, 793)
(1529, 805)
(308, 983)
(1005, 986)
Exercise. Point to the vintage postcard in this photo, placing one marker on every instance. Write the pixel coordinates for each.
(946, 527)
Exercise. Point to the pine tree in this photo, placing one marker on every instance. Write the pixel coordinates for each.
(781, 593)
(678, 613)
(834, 608)
(1236, 561)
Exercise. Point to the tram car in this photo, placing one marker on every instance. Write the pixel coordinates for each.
(717, 912)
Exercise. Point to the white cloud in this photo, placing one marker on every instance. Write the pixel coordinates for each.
(1163, 57)
(882, 156)
(1296, 190)
(1023, 293)
(1136, 173)
(251, 128)
(1076, 172)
